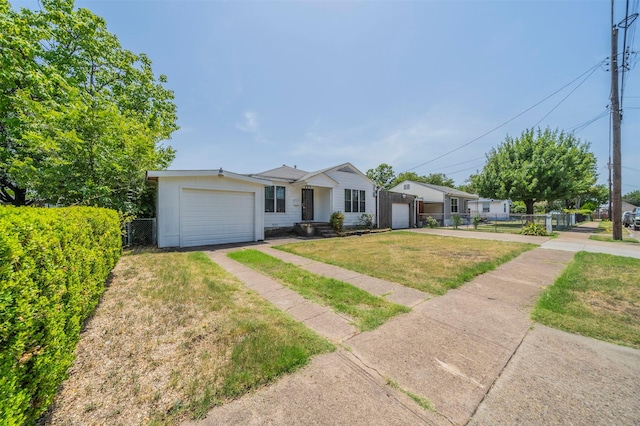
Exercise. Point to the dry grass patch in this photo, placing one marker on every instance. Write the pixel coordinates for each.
(173, 336)
(426, 262)
(597, 295)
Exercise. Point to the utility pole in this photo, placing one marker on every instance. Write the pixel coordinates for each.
(616, 117)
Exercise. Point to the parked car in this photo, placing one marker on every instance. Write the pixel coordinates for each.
(636, 219)
(627, 218)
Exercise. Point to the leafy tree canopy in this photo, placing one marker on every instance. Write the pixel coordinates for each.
(538, 166)
(632, 198)
(433, 178)
(382, 175)
(81, 118)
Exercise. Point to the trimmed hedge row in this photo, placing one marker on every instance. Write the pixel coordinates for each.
(53, 267)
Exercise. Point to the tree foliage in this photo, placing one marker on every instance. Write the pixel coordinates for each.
(632, 198)
(81, 118)
(382, 175)
(433, 178)
(538, 166)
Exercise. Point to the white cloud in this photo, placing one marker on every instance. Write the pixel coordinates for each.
(251, 124)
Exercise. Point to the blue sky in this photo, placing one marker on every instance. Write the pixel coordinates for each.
(316, 84)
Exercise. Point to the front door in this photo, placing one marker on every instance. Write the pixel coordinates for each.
(307, 204)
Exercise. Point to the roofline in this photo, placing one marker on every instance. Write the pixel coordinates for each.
(431, 186)
(155, 174)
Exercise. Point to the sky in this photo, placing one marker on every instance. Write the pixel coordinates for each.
(315, 84)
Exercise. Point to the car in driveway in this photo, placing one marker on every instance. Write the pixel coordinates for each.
(627, 218)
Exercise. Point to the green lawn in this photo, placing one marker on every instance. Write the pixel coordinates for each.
(597, 295)
(426, 262)
(173, 336)
(605, 233)
(368, 311)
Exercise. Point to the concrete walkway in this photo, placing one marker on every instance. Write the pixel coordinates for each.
(471, 353)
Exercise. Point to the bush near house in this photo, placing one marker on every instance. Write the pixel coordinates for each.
(53, 268)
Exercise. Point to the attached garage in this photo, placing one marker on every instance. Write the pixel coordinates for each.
(399, 216)
(216, 217)
(205, 207)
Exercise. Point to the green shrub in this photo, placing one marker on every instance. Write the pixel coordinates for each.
(337, 220)
(53, 267)
(366, 220)
(476, 222)
(532, 228)
(456, 221)
(431, 222)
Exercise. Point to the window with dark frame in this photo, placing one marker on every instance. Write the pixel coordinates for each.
(274, 199)
(354, 201)
(454, 205)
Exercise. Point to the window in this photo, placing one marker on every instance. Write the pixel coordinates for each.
(354, 201)
(274, 199)
(504, 207)
(485, 208)
(454, 205)
(407, 186)
(347, 201)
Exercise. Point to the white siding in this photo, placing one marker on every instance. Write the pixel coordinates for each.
(292, 211)
(348, 180)
(169, 193)
(428, 195)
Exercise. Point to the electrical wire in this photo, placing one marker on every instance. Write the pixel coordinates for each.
(580, 127)
(591, 69)
(565, 98)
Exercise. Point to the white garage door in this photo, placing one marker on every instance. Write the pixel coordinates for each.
(216, 217)
(399, 216)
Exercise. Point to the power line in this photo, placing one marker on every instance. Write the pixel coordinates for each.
(458, 164)
(565, 98)
(591, 69)
(580, 127)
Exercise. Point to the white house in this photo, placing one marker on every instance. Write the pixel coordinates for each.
(491, 209)
(202, 207)
(439, 202)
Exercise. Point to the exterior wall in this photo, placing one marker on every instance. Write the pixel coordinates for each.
(428, 195)
(168, 207)
(496, 208)
(348, 180)
(385, 201)
(292, 210)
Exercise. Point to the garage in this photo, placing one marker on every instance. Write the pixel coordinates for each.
(207, 207)
(399, 216)
(216, 217)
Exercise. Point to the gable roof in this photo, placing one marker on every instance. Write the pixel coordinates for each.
(444, 189)
(284, 172)
(295, 175)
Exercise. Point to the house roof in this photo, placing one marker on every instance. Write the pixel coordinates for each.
(284, 172)
(446, 190)
(155, 174)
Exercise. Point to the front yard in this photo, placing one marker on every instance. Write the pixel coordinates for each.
(173, 336)
(597, 295)
(425, 262)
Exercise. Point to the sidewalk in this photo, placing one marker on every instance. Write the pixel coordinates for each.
(451, 350)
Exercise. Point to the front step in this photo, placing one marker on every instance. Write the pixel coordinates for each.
(321, 229)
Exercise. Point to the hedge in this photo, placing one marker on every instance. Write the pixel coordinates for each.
(53, 267)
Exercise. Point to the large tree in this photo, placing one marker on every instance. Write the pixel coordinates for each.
(81, 118)
(540, 165)
(382, 175)
(433, 178)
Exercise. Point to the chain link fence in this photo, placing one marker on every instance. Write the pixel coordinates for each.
(510, 223)
(140, 232)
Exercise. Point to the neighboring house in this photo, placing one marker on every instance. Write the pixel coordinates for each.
(439, 202)
(489, 208)
(202, 207)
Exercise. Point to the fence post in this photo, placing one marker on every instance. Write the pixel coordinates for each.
(549, 224)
